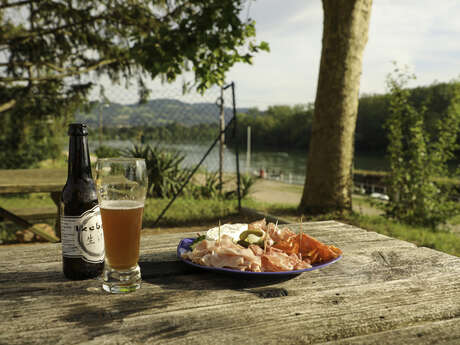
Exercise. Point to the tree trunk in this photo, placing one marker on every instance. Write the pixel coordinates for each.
(328, 184)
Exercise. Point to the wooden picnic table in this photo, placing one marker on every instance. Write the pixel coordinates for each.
(383, 291)
(33, 181)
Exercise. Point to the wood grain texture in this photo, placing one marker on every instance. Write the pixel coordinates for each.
(32, 180)
(383, 291)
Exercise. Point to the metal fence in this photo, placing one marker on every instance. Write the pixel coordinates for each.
(167, 108)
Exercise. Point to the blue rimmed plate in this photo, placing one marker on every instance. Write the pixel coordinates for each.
(184, 246)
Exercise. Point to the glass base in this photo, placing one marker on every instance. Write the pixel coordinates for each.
(121, 281)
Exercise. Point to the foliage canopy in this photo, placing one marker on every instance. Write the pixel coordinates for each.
(48, 46)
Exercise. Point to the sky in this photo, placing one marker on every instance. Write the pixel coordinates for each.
(421, 34)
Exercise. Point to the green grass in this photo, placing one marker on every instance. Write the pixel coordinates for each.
(187, 211)
(191, 212)
(455, 220)
(443, 241)
(32, 200)
(7, 232)
(183, 212)
(14, 202)
(60, 162)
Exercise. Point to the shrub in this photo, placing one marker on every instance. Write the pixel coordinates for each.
(416, 159)
(163, 168)
(107, 151)
(166, 176)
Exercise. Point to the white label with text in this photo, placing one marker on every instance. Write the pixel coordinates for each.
(82, 236)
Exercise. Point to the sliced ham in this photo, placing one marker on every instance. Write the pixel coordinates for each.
(284, 251)
(224, 253)
(260, 224)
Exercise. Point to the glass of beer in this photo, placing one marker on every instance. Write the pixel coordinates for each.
(121, 188)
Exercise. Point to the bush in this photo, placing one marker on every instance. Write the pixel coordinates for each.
(166, 176)
(416, 158)
(107, 151)
(163, 170)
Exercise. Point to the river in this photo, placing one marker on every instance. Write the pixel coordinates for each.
(287, 166)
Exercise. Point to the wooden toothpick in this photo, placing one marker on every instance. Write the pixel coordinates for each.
(300, 238)
(218, 240)
(266, 235)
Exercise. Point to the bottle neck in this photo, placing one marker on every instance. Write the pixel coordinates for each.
(79, 163)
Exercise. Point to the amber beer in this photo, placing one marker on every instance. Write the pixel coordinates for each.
(122, 221)
(121, 188)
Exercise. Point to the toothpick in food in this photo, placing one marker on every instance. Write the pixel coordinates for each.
(218, 240)
(300, 238)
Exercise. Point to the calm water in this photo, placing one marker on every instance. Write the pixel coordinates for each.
(286, 166)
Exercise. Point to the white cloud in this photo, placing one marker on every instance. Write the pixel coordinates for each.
(420, 34)
(423, 34)
(286, 75)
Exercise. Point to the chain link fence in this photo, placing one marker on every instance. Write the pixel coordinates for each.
(194, 125)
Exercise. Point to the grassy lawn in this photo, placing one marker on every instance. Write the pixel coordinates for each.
(443, 241)
(202, 212)
(186, 212)
(191, 212)
(24, 201)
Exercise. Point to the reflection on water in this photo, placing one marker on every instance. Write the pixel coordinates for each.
(286, 166)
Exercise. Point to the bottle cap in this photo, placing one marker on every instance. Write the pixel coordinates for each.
(78, 129)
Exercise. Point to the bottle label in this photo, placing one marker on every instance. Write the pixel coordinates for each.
(82, 236)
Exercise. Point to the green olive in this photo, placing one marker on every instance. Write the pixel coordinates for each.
(253, 236)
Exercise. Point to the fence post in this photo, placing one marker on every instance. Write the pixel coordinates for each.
(248, 152)
(221, 140)
(235, 126)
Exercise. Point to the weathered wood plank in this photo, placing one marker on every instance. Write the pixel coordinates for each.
(446, 332)
(329, 231)
(32, 180)
(381, 289)
(156, 315)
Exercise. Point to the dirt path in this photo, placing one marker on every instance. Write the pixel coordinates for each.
(279, 192)
(274, 191)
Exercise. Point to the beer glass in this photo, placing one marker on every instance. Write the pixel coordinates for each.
(121, 188)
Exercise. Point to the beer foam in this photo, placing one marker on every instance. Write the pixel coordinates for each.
(121, 204)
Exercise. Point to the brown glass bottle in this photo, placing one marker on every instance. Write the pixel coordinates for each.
(81, 225)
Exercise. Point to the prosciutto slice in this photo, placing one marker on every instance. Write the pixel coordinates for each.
(275, 260)
(307, 247)
(224, 253)
(284, 251)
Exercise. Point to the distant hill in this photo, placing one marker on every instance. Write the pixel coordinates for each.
(154, 113)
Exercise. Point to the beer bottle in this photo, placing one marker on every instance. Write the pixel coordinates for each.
(81, 226)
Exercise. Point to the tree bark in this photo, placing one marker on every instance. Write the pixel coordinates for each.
(328, 183)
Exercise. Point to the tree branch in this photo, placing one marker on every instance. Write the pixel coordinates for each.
(29, 34)
(16, 63)
(17, 3)
(8, 105)
(69, 73)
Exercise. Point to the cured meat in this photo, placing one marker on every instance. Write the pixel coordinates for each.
(314, 250)
(260, 224)
(282, 250)
(276, 260)
(224, 253)
(278, 234)
(308, 247)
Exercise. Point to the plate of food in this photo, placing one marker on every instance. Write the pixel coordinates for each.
(259, 248)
